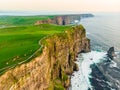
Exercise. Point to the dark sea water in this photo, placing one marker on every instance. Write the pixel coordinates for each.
(99, 74)
(103, 29)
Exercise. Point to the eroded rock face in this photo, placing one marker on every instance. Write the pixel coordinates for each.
(64, 19)
(48, 21)
(50, 70)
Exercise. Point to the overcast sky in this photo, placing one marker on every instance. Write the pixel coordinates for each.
(62, 5)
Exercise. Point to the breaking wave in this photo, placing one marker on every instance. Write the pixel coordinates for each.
(80, 79)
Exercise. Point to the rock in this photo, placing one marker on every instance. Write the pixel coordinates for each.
(64, 19)
(75, 68)
(56, 61)
(48, 21)
(59, 20)
(67, 83)
(111, 53)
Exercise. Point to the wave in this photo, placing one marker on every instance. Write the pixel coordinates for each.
(80, 79)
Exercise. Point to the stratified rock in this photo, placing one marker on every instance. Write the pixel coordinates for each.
(50, 70)
(64, 19)
(48, 21)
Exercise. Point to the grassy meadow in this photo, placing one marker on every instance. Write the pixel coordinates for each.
(20, 42)
(21, 20)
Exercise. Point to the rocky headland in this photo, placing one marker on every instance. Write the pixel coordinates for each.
(52, 69)
(64, 19)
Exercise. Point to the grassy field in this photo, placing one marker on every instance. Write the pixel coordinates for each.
(18, 43)
(21, 20)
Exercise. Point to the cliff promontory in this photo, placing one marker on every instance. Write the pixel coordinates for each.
(52, 69)
(64, 19)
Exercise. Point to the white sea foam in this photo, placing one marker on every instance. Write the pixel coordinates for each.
(80, 79)
(87, 33)
(117, 54)
(90, 58)
(113, 64)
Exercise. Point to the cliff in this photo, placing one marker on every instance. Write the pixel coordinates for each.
(51, 69)
(64, 19)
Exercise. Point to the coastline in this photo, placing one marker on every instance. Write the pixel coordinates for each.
(57, 61)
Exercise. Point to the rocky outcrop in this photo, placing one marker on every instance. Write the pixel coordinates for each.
(50, 70)
(48, 21)
(111, 53)
(64, 19)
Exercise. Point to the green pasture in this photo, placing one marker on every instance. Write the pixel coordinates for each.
(20, 42)
(21, 20)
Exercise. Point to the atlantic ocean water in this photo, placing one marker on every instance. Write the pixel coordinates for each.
(95, 72)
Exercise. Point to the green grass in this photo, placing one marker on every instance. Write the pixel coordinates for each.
(19, 43)
(21, 20)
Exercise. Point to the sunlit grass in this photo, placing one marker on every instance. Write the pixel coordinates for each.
(18, 43)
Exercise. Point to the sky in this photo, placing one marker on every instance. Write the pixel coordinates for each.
(61, 5)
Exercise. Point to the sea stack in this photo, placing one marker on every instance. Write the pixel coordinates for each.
(111, 53)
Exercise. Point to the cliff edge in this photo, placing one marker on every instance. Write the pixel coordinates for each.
(64, 19)
(52, 69)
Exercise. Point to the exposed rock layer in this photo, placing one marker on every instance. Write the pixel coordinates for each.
(50, 70)
(64, 19)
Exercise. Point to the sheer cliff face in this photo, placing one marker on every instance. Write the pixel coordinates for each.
(50, 70)
(60, 20)
(64, 19)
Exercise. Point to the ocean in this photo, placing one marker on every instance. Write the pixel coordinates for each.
(99, 74)
(103, 29)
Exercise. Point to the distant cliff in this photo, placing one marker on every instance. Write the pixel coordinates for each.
(64, 19)
(50, 70)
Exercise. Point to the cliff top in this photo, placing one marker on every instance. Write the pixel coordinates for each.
(30, 20)
(50, 69)
(19, 43)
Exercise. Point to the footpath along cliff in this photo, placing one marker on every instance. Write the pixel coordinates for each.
(52, 69)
